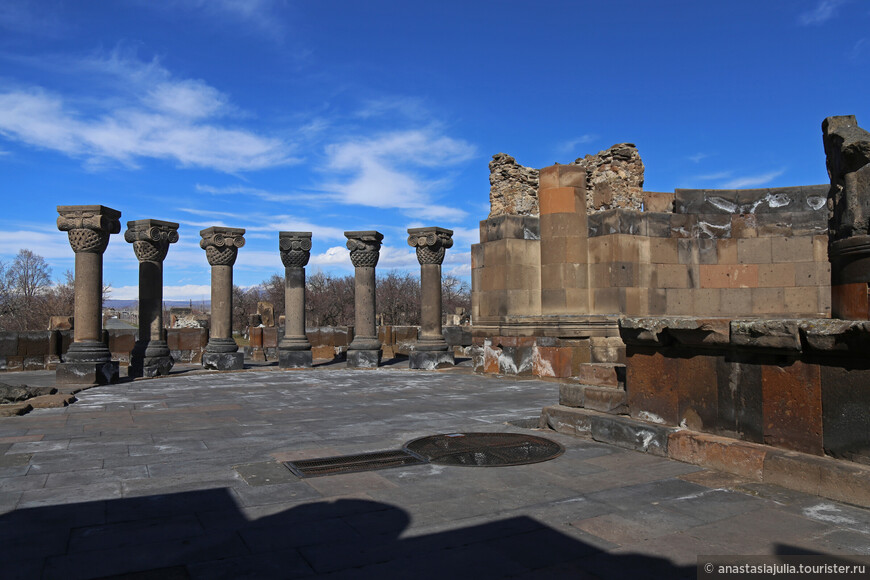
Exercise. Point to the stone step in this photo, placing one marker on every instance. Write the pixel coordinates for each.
(601, 375)
(822, 476)
(604, 399)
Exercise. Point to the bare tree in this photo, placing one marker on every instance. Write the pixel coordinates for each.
(244, 304)
(455, 293)
(398, 298)
(272, 290)
(24, 292)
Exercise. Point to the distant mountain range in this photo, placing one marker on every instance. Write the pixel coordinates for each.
(121, 304)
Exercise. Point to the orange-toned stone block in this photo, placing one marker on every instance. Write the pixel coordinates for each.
(562, 176)
(558, 200)
(792, 407)
(849, 301)
(552, 361)
(744, 276)
(650, 381)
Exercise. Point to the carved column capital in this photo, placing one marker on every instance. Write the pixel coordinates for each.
(88, 226)
(295, 248)
(151, 238)
(365, 248)
(430, 243)
(221, 244)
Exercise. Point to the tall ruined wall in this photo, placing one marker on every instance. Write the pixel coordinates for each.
(611, 178)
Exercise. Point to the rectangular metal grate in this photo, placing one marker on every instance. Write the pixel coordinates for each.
(353, 463)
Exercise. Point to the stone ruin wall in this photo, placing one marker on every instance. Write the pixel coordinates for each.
(590, 241)
(701, 310)
(613, 178)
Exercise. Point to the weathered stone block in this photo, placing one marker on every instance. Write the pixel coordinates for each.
(652, 439)
(654, 201)
(774, 225)
(34, 363)
(33, 343)
(777, 275)
(516, 360)
(774, 334)
(294, 359)
(754, 251)
(431, 360)
(739, 400)
(87, 373)
(604, 399)
(561, 200)
(698, 332)
(724, 454)
(122, 341)
(363, 359)
(8, 344)
(552, 362)
(609, 349)
(697, 394)
(651, 384)
(845, 392)
(744, 226)
(771, 301)
(223, 361)
(270, 337)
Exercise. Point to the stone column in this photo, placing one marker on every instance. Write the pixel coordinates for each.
(847, 151)
(221, 247)
(151, 239)
(365, 350)
(88, 360)
(431, 350)
(294, 350)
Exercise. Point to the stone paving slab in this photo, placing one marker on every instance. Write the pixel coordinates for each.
(181, 477)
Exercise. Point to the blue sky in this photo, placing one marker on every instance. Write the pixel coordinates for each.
(329, 116)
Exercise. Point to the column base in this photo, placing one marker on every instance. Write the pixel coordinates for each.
(150, 367)
(294, 359)
(431, 360)
(364, 359)
(223, 361)
(87, 373)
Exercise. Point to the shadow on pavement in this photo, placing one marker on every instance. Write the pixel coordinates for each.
(203, 534)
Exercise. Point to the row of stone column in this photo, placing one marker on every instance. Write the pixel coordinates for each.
(89, 361)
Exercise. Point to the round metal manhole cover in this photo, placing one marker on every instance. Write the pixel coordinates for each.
(485, 449)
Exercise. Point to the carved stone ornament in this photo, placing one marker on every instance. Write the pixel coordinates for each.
(295, 248)
(151, 238)
(430, 243)
(365, 248)
(221, 244)
(88, 226)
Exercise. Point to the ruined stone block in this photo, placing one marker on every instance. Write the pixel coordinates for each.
(684, 226)
(431, 360)
(223, 361)
(775, 334)
(714, 226)
(728, 455)
(605, 400)
(561, 200)
(664, 251)
(792, 409)
(68, 373)
(552, 362)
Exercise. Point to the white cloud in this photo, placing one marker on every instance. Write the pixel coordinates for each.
(146, 114)
(752, 180)
(270, 223)
(824, 11)
(714, 176)
(260, 193)
(569, 147)
(389, 171)
(697, 157)
(334, 256)
(50, 245)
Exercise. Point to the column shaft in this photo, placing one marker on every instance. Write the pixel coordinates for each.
(364, 304)
(88, 297)
(221, 302)
(150, 301)
(294, 303)
(430, 294)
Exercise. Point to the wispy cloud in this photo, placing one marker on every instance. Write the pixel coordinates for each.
(858, 49)
(271, 224)
(698, 157)
(823, 11)
(410, 107)
(714, 176)
(154, 116)
(391, 171)
(21, 16)
(571, 145)
(752, 180)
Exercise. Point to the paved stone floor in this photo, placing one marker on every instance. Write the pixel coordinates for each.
(180, 478)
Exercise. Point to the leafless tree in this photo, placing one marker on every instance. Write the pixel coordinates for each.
(24, 292)
(244, 304)
(398, 298)
(455, 293)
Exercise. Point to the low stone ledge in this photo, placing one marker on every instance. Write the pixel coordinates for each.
(612, 429)
(777, 334)
(51, 401)
(836, 336)
(644, 331)
(15, 409)
(700, 332)
(729, 455)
